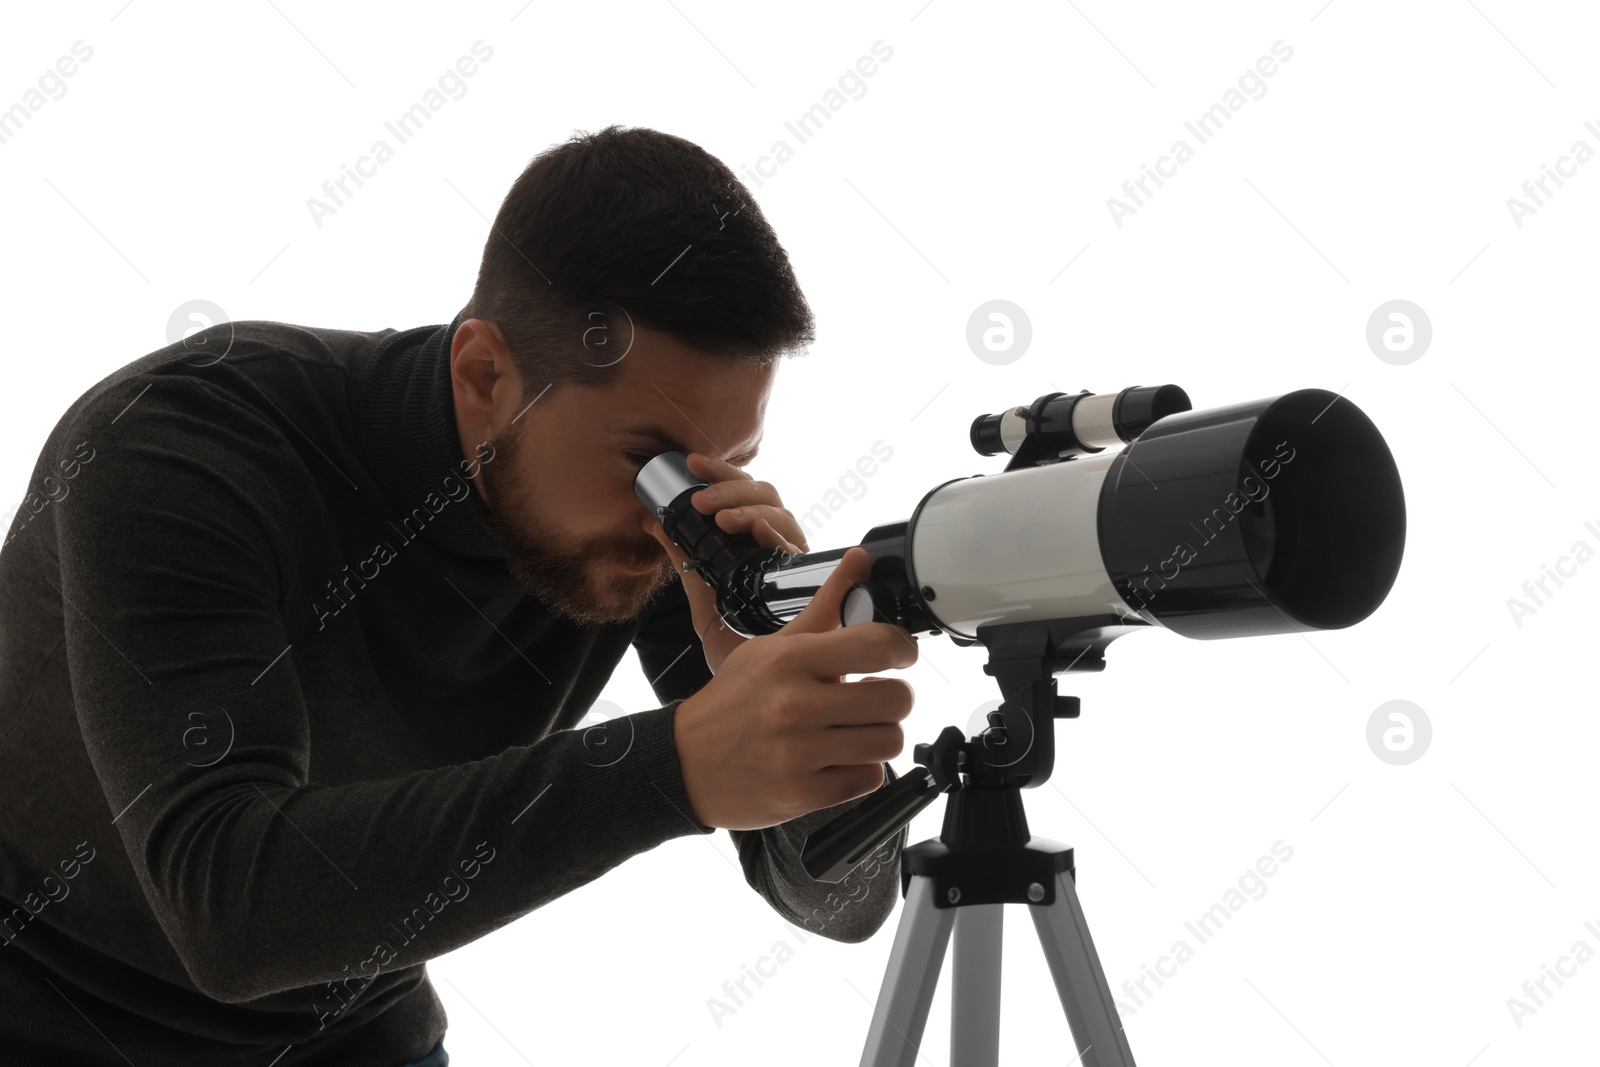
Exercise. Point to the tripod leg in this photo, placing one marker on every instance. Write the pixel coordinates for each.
(1080, 983)
(909, 980)
(975, 986)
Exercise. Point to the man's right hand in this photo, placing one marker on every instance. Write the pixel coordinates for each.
(778, 733)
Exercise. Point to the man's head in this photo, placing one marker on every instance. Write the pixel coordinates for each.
(630, 284)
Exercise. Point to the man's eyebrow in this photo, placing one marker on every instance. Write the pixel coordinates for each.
(662, 437)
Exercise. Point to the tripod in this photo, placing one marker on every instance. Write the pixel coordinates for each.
(983, 859)
(960, 882)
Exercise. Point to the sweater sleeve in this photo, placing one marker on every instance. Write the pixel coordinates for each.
(174, 558)
(851, 910)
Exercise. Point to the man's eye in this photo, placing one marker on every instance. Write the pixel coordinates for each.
(640, 460)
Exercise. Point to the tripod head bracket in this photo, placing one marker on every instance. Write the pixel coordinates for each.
(1016, 751)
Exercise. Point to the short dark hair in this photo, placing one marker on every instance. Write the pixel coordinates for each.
(635, 219)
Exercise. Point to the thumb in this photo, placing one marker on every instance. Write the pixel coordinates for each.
(674, 553)
(700, 595)
(822, 613)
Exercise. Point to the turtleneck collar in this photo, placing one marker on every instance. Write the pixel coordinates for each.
(407, 423)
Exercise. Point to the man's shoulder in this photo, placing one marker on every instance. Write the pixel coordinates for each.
(248, 364)
(250, 341)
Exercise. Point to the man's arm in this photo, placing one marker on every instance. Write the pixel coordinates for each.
(176, 552)
(851, 910)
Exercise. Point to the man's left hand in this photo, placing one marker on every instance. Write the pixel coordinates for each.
(741, 505)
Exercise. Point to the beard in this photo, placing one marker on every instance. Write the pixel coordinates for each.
(576, 580)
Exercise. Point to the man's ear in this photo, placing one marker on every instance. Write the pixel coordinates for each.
(478, 358)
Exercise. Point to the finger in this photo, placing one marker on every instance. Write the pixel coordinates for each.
(822, 613)
(791, 544)
(767, 536)
(730, 496)
(865, 703)
(713, 468)
(852, 746)
(697, 588)
(764, 524)
(736, 493)
(849, 746)
(674, 553)
(835, 785)
(860, 649)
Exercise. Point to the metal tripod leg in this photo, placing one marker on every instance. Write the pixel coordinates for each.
(918, 956)
(1080, 982)
(909, 980)
(975, 986)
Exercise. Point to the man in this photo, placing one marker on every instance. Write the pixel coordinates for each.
(296, 626)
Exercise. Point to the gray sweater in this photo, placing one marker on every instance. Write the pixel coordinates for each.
(278, 726)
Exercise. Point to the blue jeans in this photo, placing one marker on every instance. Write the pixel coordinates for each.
(437, 1058)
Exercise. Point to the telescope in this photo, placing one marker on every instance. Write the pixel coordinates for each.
(1116, 512)
(1263, 517)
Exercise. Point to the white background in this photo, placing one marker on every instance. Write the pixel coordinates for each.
(976, 166)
